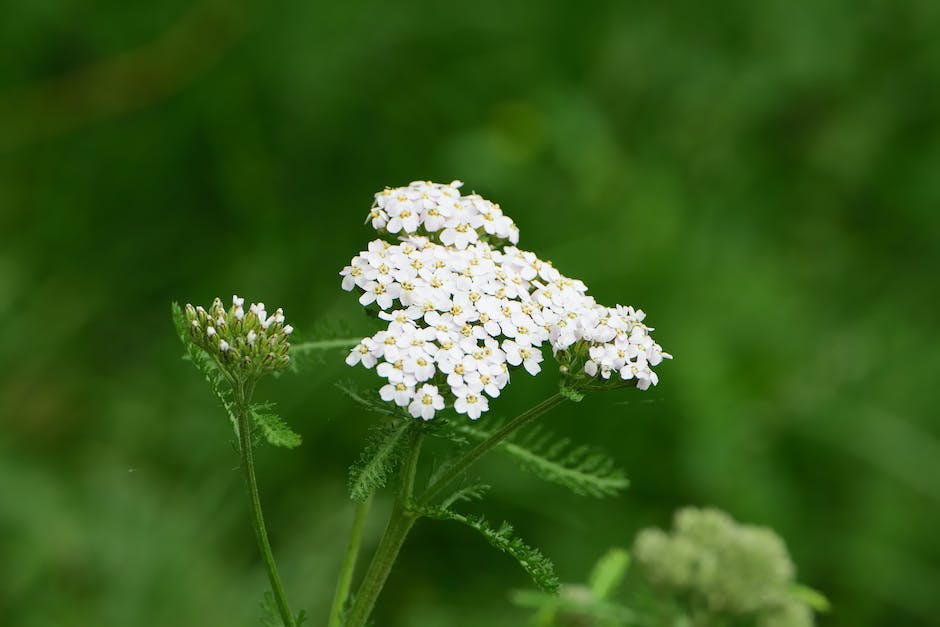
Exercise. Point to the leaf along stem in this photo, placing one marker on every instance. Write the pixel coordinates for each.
(405, 512)
(242, 395)
(400, 522)
(471, 456)
(306, 347)
(349, 564)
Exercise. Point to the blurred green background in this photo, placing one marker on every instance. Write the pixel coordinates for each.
(761, 178)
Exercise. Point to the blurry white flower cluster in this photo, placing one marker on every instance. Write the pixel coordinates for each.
(463, 306)
(727, 568)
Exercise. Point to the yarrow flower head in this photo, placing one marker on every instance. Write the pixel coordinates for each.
(246, 344)
(464, 307)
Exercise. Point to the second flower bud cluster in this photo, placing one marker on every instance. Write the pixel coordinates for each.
(246, 343)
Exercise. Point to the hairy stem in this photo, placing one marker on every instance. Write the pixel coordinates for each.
(242, 395)
(400, 522)
(349, 564)
(404, 514)
(457, 468)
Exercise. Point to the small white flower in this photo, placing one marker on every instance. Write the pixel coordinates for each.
(400, 393)
(426, 402)
(470, 403)
(529, 357)
(364, 353)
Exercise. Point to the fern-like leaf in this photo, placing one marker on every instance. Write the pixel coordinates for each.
(219, 385)
(273, 428)
(468, 493)
(532, 561)
(378, 460)
(319, 338)
(367, 399)
(582, 469)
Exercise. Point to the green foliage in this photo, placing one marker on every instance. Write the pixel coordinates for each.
(574, 605)
(379, 459)
(813, 598)
(273, 428)
(309, 348)
(532, 561)
(218, 382)
(572, 394)
(368, 399)
(271, 616)
(582, 469)
(609, 572)
(583, 605)
(473, 492)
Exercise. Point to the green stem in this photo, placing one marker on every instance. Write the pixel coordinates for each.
(404, 514)
(349, 564)
(242, 394)
(400, 522)
(457, 468)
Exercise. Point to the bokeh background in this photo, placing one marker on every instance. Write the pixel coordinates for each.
(761, 178)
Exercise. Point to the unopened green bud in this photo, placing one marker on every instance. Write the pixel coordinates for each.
(248, 344)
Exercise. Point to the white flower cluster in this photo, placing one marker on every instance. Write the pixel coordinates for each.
(426, 208)
(461, 311)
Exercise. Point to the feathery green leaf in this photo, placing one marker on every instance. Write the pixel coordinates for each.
(273, 428)
(218, 383)
(367, 399)
(320, 337)
(582, 469)
(468, 493)
(378, 461)
(533, 561)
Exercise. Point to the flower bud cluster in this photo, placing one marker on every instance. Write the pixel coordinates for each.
(247, 343)
(441, 213)
(462, 313)
(728, 568)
